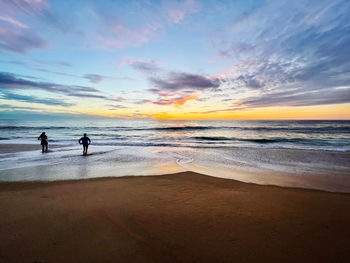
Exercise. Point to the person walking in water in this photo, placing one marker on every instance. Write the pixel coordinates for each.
(85, 141)
(44, 143)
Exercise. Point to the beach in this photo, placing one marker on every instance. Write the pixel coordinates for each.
(14, 148)
(147, 191)
(184, 217)
(174, 131)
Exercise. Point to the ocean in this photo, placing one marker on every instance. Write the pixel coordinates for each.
(314, 135)
(307, 154)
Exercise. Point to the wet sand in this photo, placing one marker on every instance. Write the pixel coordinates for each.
(183, 217)
(14, 148)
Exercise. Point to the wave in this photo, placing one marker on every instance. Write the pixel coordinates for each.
(214, 138)
(332, 129)
(305, 129)
(269, 140)
(61, 128)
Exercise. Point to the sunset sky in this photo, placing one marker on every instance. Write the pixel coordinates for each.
(186, 59)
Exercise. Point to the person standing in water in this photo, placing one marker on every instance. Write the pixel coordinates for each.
(85, 141)
(44, 143)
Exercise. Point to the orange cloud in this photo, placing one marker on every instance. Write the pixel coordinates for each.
(177, 101)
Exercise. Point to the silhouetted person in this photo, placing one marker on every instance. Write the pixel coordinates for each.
(85, 141)
(44, 143)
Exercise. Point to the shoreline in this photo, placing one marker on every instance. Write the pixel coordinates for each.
(42, 183)
(16, 147)
(323, 170)
(183, 217)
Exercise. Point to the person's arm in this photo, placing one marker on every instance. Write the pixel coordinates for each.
(89, 140)
(79, 141)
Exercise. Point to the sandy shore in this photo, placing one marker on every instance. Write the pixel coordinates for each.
(183, 217)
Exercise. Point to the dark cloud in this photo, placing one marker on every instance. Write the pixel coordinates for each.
(82, 95)
(33, 63)
(11, 107)
(144, 101)
(181, 80)
(147, 67)
(318, 97)
(115, 107)
(12, 81)
(33, 99)
(57, 73)
(94, 78)
(53, 63)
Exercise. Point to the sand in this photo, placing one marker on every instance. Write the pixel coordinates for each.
(14, 148)
(183, 217)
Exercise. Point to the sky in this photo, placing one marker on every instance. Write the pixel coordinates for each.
(167, 59)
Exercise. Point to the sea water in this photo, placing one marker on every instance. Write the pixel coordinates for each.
(310, 154)
(316, 135)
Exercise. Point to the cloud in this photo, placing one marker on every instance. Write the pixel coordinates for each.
(121, 36)
(94, 96)
(316, 97)
(57, 73)
(11, 107)
(176, 88)
(112, 30)
(178, 10)
(181, 80)
(115, 30)
(12, 81)
(53, 63)
(115, 106)
(295, 58)
(175, 101)
(20, 40)
(42, 11)
(25, 6)
(94, 78)
(36, 61)
(144, 101)
(13, 21)
(33, 99)
(134, 115)
(9, 82)
(16, 36)
(144, 66)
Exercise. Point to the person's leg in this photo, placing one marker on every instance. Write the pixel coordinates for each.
(84, 150)
(87, 146)
(42, 147)
(46, 147)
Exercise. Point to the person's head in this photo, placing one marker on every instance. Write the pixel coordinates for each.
(84, 134)
(43, 133)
